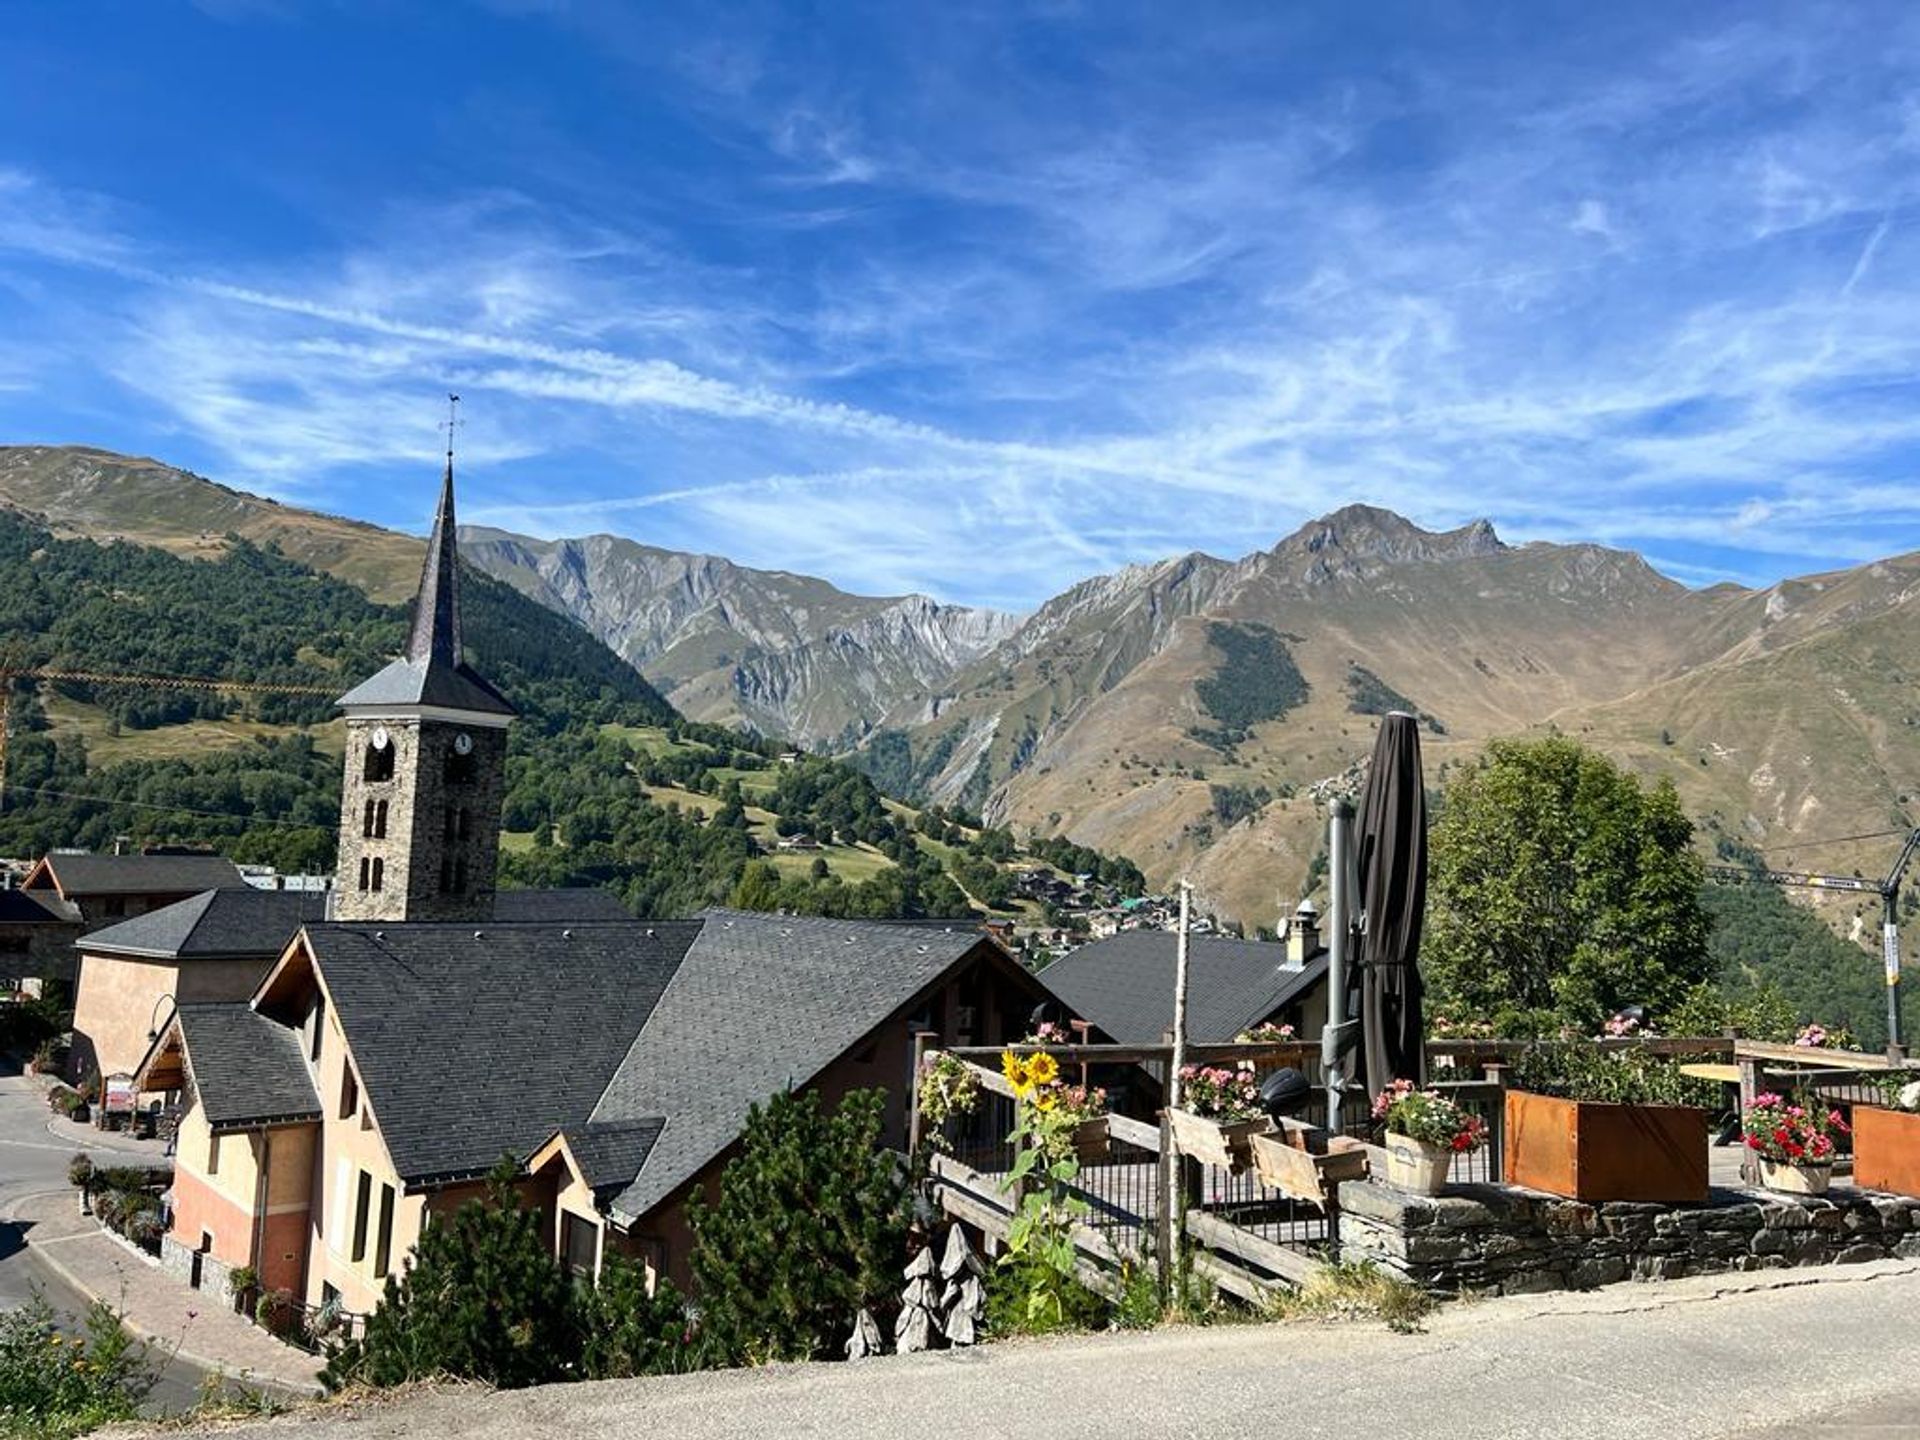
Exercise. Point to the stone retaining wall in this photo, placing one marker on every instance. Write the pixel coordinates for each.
(1495, 1239)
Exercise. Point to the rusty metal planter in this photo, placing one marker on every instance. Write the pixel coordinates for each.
(1886, 1149)
(1587, 1150)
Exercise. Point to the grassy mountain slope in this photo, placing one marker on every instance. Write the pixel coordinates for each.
(606, 784)
(98, 495)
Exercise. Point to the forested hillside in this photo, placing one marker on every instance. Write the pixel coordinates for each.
(606, 784)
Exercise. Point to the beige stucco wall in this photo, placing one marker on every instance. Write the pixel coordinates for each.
(118, 997)
(347, 1148)
(114, 1004)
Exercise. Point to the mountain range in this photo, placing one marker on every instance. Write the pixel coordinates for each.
(1193, 714)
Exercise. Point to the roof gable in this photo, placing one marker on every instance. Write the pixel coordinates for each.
(77, 875)
(474, 1042)
(820, 986)
(247, 1070)
(213, 925)
(1125, 984)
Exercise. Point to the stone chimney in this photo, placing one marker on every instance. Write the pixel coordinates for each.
(1303, 934)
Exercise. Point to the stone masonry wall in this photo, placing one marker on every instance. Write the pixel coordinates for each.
(1493, 1239)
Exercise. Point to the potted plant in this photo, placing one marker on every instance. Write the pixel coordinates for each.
(948, 1089)
(1218, 1116)
(1886, 1140)
(1794, 1143)
(1086, 1107)
(1593, 1124)
(1076, 1114)
(1425, 1130)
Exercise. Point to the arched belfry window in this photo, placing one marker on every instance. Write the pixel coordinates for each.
(379, 765)
(366, 822)
(379, 873)
(380, 821)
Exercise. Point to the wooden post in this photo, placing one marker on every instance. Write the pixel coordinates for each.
(922, 1039)
(1750, 1084)
(1163, 1246)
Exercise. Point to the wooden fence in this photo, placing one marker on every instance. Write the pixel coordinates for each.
(1241, 1235)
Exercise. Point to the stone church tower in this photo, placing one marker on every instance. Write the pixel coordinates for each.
(426, 767)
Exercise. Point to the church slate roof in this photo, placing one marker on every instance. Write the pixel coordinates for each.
(760, 1004)
(247, 1070)
(472, 1042)
(142, 874)
(586, 902)
(1124, 984)
(213, 925)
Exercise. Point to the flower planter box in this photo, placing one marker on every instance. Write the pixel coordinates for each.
(1795, 1179)
(1886, 1149)
(1590, 1151)
(1091, 1142)
(1283, 1163)
(1225, 1143)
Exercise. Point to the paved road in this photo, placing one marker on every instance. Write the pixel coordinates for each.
(1735, 1358)
(34, 1160)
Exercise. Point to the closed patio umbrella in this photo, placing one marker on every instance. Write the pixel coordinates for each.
(1391, 851)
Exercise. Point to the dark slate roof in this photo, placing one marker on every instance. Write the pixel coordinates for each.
(471, 1042)
(432, 671)
(1124, 984)
(521, 907)
(761, 1003)
(31, 907)
(611, 1152)
(214, 925)
(247, 1070)
(143, 874)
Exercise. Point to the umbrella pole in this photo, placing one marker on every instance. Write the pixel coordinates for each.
(1340, 925)
(1180, 998)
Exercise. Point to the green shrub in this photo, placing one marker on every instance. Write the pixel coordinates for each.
(53, 1386)
(1581, 1070)
(483, 1299)
(809, 1228)
(630, 1332)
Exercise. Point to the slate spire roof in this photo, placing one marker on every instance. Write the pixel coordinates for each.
(432, 672)
(436, 610)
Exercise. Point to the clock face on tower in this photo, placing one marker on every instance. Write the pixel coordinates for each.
(463, 744)
(380, 737)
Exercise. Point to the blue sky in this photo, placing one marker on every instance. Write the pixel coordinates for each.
(981, 299)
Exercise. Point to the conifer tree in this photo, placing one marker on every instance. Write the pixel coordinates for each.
(483, 1299)
(809, 1228)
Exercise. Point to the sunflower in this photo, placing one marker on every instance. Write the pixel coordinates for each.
(1043, 1102)
(1043, 1069)
(1014, 1068)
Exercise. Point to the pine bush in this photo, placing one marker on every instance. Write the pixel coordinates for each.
(809, 1227)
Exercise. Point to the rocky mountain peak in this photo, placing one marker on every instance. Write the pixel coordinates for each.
(1361, 540)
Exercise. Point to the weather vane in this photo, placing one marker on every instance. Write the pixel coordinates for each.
(453, 419)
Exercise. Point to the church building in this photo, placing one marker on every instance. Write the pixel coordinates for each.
(393, 1053)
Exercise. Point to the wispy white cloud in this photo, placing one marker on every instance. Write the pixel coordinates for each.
(1665, 299)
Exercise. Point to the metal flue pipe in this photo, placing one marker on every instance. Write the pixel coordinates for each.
(1340, 931)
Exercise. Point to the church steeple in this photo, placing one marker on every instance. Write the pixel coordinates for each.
(436, 611)
(425, 764)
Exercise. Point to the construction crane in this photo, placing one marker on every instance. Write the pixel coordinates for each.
(12, 673)
(1889, 892)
